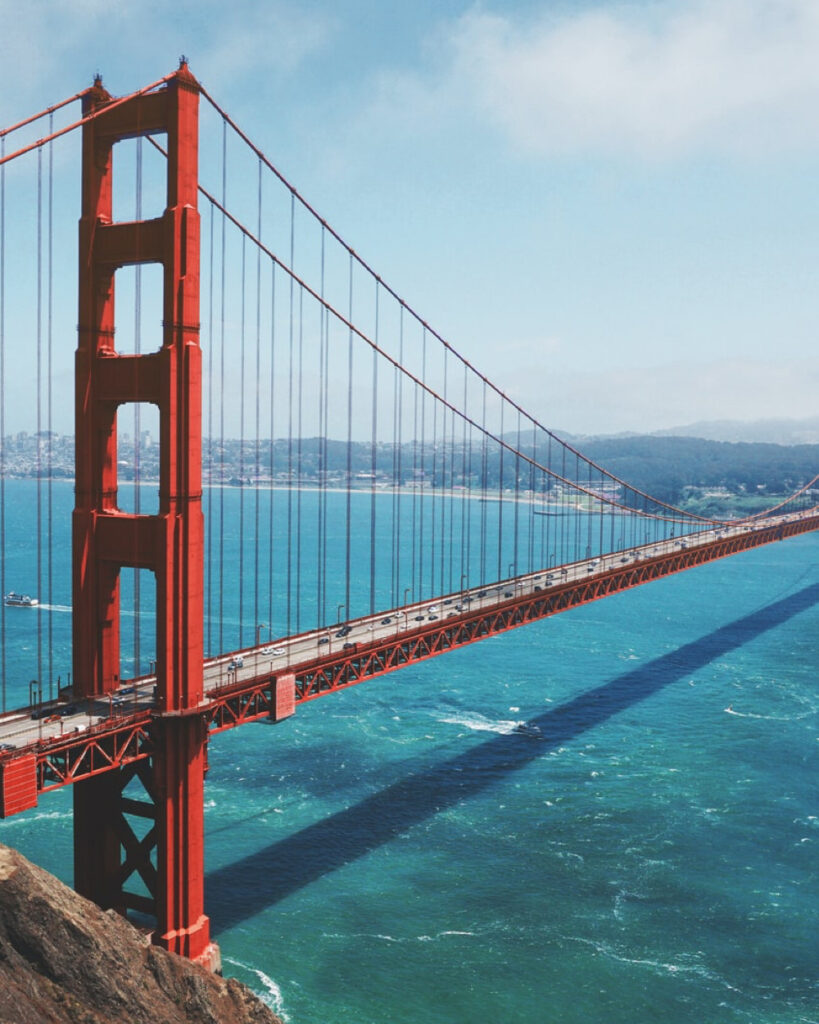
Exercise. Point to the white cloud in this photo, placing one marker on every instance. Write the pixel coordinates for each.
(50, 48)
(732, 75)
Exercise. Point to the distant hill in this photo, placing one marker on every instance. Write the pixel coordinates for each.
(781, 431)
(665, 466)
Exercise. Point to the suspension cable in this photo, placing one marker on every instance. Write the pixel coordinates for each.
(44, 113)
(423, 323)
(97, 112)
(676, 515)
(675, 512)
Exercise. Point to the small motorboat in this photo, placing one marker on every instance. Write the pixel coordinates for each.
(14, 600)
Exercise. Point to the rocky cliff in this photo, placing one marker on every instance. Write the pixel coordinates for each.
(62, 959)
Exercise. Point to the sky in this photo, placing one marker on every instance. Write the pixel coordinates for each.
(609, 208)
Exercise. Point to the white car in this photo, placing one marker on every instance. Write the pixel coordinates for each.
(273, 651)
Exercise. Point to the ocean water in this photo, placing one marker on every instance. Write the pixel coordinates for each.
(609, 816)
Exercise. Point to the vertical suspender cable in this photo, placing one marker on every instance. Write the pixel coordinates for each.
(467, 499)
(423, 465)
(49, 483)
(373, 453)
(137, 420)
(563, 551)
(257, 446)
(290, 419)
(466, 483)
(209, 562)
(548, 496)
(347, 559)
(3, 423)
(299, 459)
(576, 501)
(399, 480)
(432, 510)
(601, 514)
(516, 517)
(501, 566)
(532, 499)
(222, 401)
(323, 439)
(272, 466)
(322, 468)
(242, 322)
(39, 409)
(443, 543)
(452, 421)
(396, 483)
(414, 524)
(484, 484)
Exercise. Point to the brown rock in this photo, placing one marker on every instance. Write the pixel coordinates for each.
(62, 959)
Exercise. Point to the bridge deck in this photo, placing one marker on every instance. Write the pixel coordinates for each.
(65, 743)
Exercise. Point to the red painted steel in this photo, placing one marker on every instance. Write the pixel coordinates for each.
(283, 703)
(169, 543)
(18, 784)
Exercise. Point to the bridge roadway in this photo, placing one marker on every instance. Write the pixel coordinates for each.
(72, 740)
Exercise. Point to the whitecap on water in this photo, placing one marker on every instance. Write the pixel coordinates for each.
(271, 995)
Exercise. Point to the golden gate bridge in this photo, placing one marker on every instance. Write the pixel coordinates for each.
(393, 502)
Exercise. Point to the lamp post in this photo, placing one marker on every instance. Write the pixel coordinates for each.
(259, 628)
(342, 604)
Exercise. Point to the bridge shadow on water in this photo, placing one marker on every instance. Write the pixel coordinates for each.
(291, 863)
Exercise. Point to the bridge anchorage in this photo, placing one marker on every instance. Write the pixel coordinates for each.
(549, 531)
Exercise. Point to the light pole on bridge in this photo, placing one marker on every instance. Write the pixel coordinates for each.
(406, 610)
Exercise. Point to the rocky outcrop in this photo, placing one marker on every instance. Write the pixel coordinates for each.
(62, 959)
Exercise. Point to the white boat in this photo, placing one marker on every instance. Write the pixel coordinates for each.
(15, 600)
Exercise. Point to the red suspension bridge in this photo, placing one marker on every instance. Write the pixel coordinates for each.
(389, 502)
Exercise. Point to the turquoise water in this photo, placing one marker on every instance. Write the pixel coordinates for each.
(645, 851)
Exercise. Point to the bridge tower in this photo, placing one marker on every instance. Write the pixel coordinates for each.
(170, 543)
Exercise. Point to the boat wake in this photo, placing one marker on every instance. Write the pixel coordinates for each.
(479, 723)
